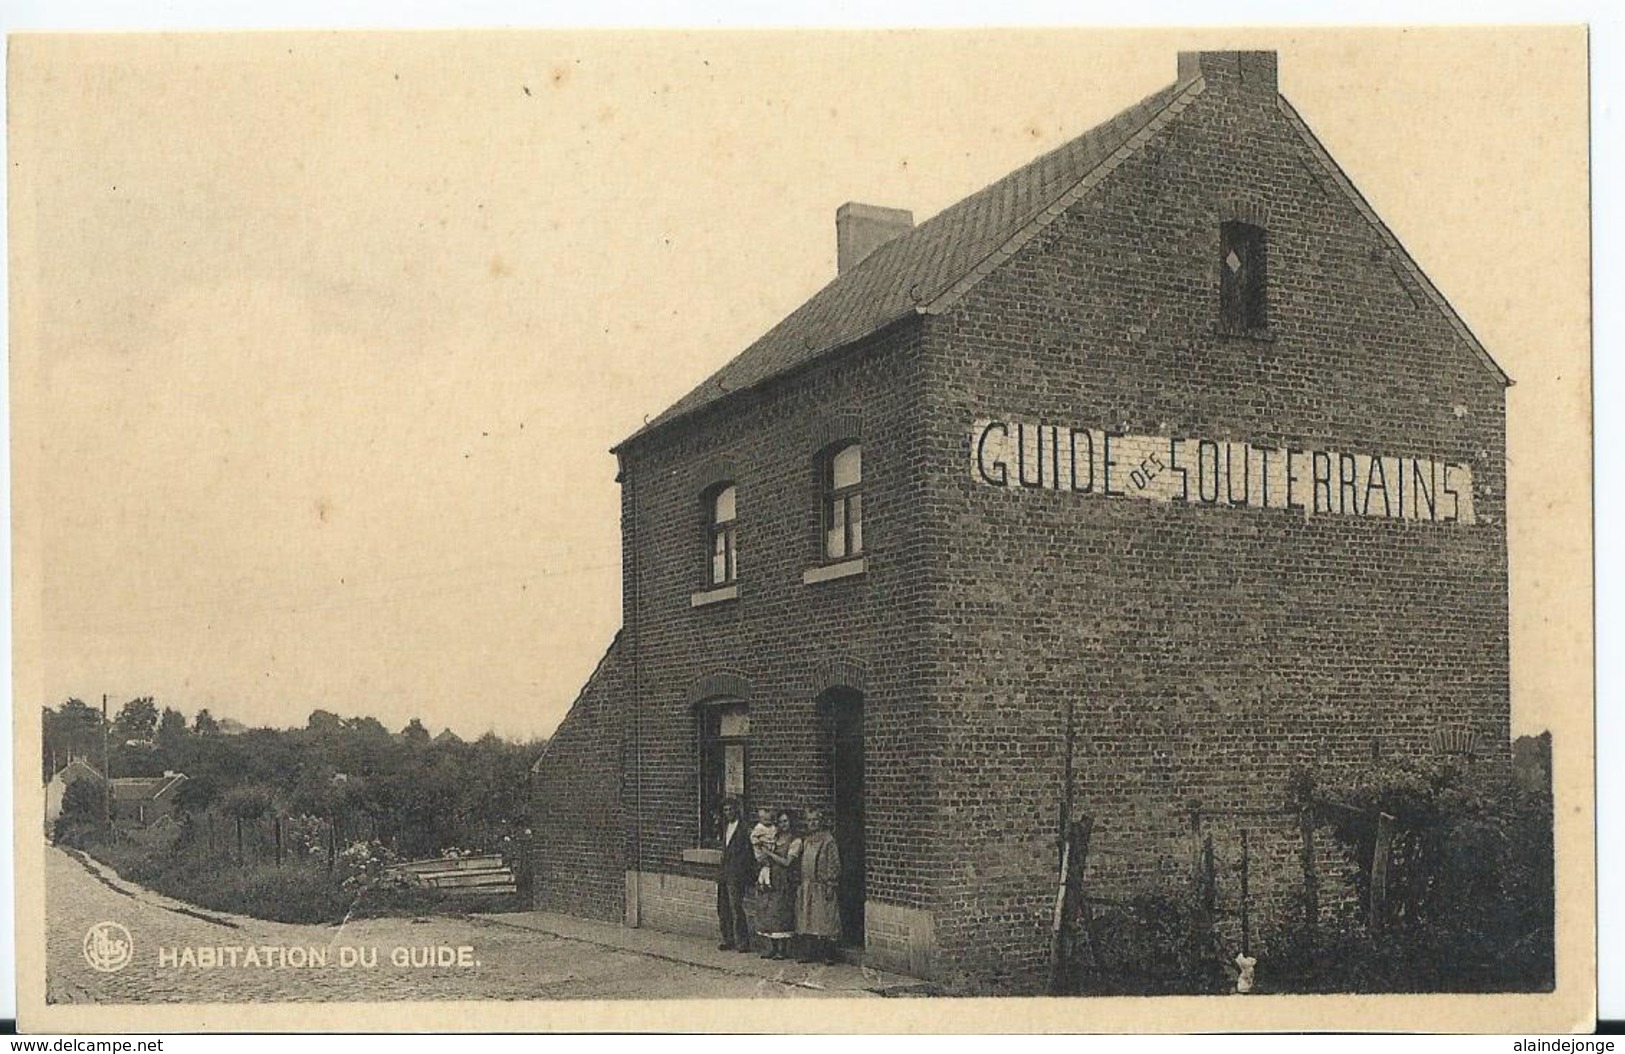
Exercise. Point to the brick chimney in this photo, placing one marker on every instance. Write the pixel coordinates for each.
(1252, 72)
(861, 229)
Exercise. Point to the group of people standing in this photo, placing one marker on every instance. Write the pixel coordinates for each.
(787, 875)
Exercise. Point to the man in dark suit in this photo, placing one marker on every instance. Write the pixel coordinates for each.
(737, 874)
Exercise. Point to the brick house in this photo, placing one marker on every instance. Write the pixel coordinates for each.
(56, 789)
(1122, 488)
(141, 801)
(137, 802)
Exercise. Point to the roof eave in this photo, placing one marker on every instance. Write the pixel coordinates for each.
(813, 360)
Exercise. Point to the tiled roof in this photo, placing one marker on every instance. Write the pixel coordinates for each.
(912, 270)
(141, 788)
(76, 769)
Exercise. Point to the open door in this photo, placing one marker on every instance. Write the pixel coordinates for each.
(846, 773)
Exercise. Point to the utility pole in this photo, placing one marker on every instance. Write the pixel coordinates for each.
(107, 771)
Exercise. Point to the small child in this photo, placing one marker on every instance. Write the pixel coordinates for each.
(762, 837)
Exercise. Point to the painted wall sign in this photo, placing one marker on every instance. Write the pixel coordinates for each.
(1039, 456)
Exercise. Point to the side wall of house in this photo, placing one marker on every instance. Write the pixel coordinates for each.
(577, 865)
(1205, 650)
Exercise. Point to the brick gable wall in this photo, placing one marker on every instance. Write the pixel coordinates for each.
(1207, 650)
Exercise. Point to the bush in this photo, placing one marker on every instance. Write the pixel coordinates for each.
(1161, 942)
(80, 820)
(363, 865)
(1470, 886)
(305, 836)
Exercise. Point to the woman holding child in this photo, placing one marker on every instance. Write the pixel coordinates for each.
(775, 886)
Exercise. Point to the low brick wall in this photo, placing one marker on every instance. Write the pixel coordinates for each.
(672, 903)
(899, 939)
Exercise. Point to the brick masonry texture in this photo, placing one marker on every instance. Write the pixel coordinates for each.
(577, 824)
(1205, 651)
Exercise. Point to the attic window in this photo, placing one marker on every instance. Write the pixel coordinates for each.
(1243, 281)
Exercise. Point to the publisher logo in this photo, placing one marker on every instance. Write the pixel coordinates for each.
(108, 947)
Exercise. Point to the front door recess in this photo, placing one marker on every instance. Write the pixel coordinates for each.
(847, 795)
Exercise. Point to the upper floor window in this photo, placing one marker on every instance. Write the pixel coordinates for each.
(722, 541)
(843, 502)
(1243, 278)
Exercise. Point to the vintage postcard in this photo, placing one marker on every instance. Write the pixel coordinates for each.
(1047, 530)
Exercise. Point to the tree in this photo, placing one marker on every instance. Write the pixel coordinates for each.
(204, 724)
(137, 757)
(318, 790)
(171, 730)
(137, 720)
(82, 805)
(78, 729)
(196, 795)
(1532, 762)
(367, 727)
(414, 732)
(324, 723)
(247, 802)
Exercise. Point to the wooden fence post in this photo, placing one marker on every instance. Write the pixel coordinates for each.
(1074, 845)
(1195, 813)
(1379, 870)
(1311, 877)
(1246, 932)
(1209, 893)
(1083, 829)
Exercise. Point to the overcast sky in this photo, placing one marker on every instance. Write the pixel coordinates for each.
(321, 341)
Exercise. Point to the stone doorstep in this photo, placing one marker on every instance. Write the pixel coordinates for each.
(848, 978)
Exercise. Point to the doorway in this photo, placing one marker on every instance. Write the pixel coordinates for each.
(846, 794)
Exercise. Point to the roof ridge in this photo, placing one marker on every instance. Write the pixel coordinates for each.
(1045, 161)
(1038, 219)
(1049, 158)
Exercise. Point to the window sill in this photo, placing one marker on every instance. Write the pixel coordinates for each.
(719, 595)
(831, 572)
(703, 856)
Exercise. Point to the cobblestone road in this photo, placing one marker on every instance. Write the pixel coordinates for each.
(505, 962)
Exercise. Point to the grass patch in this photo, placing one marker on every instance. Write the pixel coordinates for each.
(302, 890)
